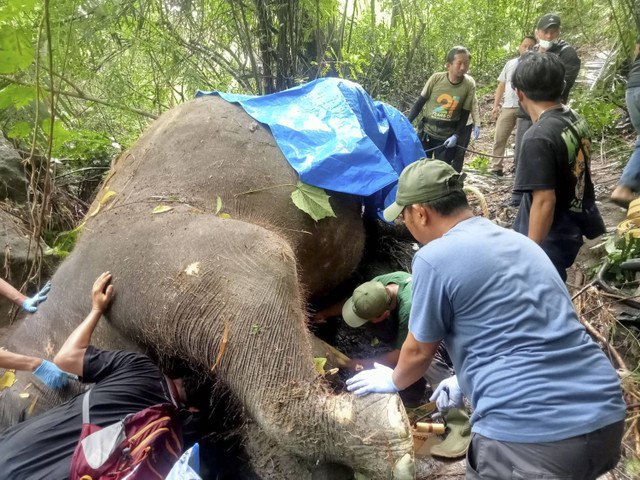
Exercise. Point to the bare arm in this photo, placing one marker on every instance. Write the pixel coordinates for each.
(541, 214)
(415, 358)
(497, 99)
(331, 311)
(7, 291)
(15, 361)
(71, 355)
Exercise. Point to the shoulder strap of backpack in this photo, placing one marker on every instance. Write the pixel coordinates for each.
(85, 407)
(575, 133)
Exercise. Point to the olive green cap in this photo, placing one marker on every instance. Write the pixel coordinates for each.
(369, 301)
(422, 182)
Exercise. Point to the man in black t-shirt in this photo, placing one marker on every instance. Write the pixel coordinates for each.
(125, 382)
(548, 34)
(553, 173)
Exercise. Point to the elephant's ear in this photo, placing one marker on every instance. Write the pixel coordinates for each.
(313, 201)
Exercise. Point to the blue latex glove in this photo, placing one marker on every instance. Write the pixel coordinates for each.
(451, 141)
(376, 380)
(51, 375)
(448, 395)
(476, 132)
(31, 304)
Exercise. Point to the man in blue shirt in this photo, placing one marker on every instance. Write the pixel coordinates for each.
(546, 401)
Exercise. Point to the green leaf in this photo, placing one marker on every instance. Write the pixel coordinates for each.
(318, 364)
(20, 130)
(162, 209)
(11, 8)
(218, 205)
(16, 52)
(17, 95)
(313, 201)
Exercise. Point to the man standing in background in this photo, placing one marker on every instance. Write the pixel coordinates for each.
(629, 183)
(506, 97)
(548, 35)
(448, 97)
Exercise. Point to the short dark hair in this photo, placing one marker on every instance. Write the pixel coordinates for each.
(455, 51)
(452, 203)
(530, 37)
(540, 76)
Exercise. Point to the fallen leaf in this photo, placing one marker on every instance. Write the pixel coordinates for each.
(255, 329)
(313, 201)
(24, 395)
(8, 379)
(108, 195)
(374, 341)
(318, 364)
(224, 216)
(218, 205)
(162, 209)
(193, 269)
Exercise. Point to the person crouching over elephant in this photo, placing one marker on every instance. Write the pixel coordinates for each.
(43, 370)
(382, 305)
(125, 383)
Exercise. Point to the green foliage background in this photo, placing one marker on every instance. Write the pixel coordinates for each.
(118, 63)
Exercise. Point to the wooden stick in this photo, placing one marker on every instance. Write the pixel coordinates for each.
(437, 428)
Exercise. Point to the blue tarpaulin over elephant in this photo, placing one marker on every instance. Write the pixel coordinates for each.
(337, 137)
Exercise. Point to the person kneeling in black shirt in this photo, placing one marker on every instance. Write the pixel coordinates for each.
(125, 382)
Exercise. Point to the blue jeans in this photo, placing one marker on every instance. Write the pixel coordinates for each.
(631, 174)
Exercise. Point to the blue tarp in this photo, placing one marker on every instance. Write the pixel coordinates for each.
(337, 137)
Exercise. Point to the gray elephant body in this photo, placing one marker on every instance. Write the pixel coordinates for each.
(225, 290)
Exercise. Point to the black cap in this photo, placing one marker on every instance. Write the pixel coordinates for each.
(547, 20)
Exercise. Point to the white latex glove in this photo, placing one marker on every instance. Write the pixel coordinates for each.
(376, 380)
(451, 141)
(448, 395)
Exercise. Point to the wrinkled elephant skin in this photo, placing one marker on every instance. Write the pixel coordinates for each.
(190, 277)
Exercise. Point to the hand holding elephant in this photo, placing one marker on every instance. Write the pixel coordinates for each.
(102, 293)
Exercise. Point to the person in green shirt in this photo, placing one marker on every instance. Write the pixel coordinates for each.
(383, 305)
(447, 99)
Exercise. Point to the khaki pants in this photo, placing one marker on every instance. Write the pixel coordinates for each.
(504, 126)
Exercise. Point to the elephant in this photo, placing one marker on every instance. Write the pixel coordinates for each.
(213, 265)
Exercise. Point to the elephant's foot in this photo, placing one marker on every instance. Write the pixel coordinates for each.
(370, 435)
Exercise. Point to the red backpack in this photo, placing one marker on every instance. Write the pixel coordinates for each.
(141, 446)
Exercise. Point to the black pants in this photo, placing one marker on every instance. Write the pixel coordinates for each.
(435, 149)
(463, 142)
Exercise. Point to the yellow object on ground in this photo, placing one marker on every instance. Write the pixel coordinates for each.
(8, 379)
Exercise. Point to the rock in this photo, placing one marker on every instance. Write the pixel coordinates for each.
(14, 244)
(12, 177)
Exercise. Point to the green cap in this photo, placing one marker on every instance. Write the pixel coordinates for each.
(422, 182)
(369, 300)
